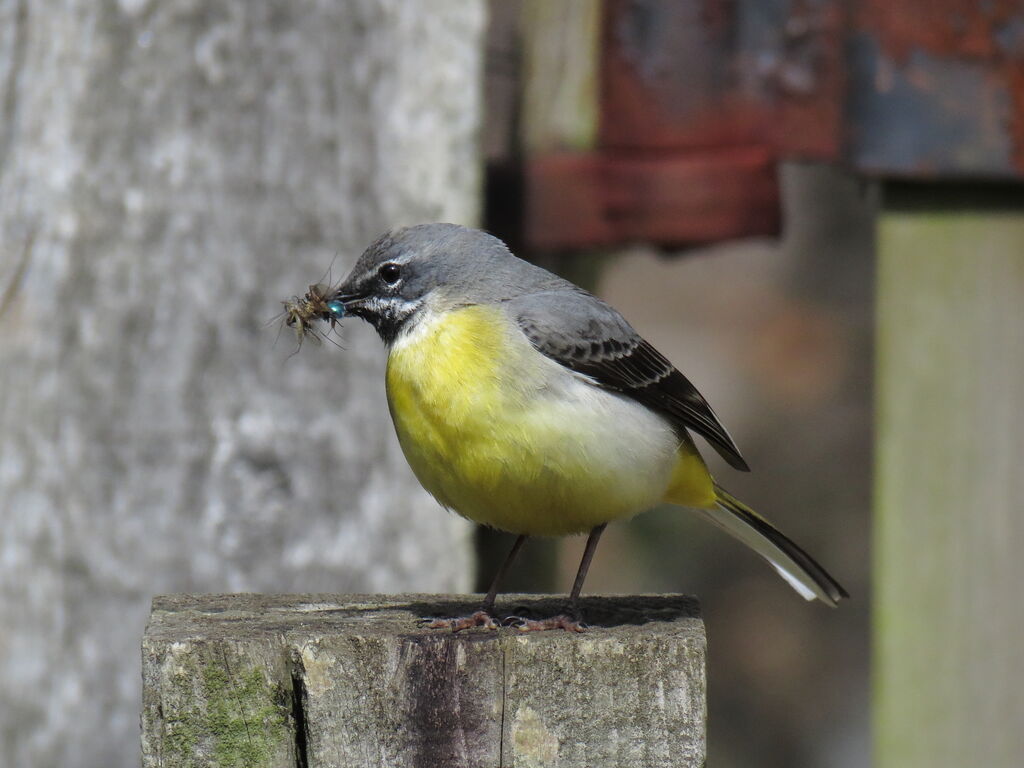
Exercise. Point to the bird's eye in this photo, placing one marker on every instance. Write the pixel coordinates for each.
(389, 273)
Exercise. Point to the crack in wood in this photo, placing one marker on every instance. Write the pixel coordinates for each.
(297, 672)
(504, 697)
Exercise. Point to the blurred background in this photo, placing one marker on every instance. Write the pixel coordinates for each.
(811, 206)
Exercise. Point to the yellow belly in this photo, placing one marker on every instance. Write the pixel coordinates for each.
(508, 438)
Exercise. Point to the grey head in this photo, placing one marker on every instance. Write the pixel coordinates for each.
(440, 266)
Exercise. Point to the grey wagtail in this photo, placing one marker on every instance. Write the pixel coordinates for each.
(525, 403)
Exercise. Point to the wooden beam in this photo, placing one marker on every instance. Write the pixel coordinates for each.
(949, 518)
(560, 82)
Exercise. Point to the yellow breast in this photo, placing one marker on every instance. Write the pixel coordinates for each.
(508, 438)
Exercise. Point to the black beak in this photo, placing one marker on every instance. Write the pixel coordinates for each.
(350, 298)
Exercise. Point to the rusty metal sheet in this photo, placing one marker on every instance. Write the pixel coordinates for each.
(691, 90)
(698, 101)
(577, 200)
(937, 88)
(714, 73)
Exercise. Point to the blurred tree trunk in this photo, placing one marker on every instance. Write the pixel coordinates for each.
(168, 172)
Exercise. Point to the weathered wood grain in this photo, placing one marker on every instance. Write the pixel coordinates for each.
(949, 517)
(561, 49)
(325, 681)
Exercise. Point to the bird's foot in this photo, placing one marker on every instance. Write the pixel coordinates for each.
(459, 623)
(568, 623)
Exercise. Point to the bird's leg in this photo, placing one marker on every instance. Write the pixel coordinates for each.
(492, 593)
(572, 623)
(483, 617)
(581, 574)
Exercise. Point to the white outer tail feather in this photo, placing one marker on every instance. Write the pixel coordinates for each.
(787, 568)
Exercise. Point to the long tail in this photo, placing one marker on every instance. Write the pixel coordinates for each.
(794, 565)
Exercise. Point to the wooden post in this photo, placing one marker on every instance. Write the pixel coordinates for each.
(949, 616)
(321, 681)
(560, 88)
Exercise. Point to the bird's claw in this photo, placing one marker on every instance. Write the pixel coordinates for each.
(561, 621)
(459, 623)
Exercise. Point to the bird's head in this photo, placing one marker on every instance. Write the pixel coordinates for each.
(437, 266)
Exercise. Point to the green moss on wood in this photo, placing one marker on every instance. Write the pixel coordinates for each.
(233, 718)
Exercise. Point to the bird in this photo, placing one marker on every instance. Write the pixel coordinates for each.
(525, 403)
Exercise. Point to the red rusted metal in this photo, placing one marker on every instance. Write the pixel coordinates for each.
(593, 199)
(960, 29)
(810, 83)
(692, 120)
(960, 64)
(701, 98)
(679, 75)
(1015, 81)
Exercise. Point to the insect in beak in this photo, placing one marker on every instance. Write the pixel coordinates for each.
(302, 313)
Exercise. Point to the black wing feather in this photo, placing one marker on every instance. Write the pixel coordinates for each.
(587, 336)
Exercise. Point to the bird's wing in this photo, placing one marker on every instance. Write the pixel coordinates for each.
(588, 336)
